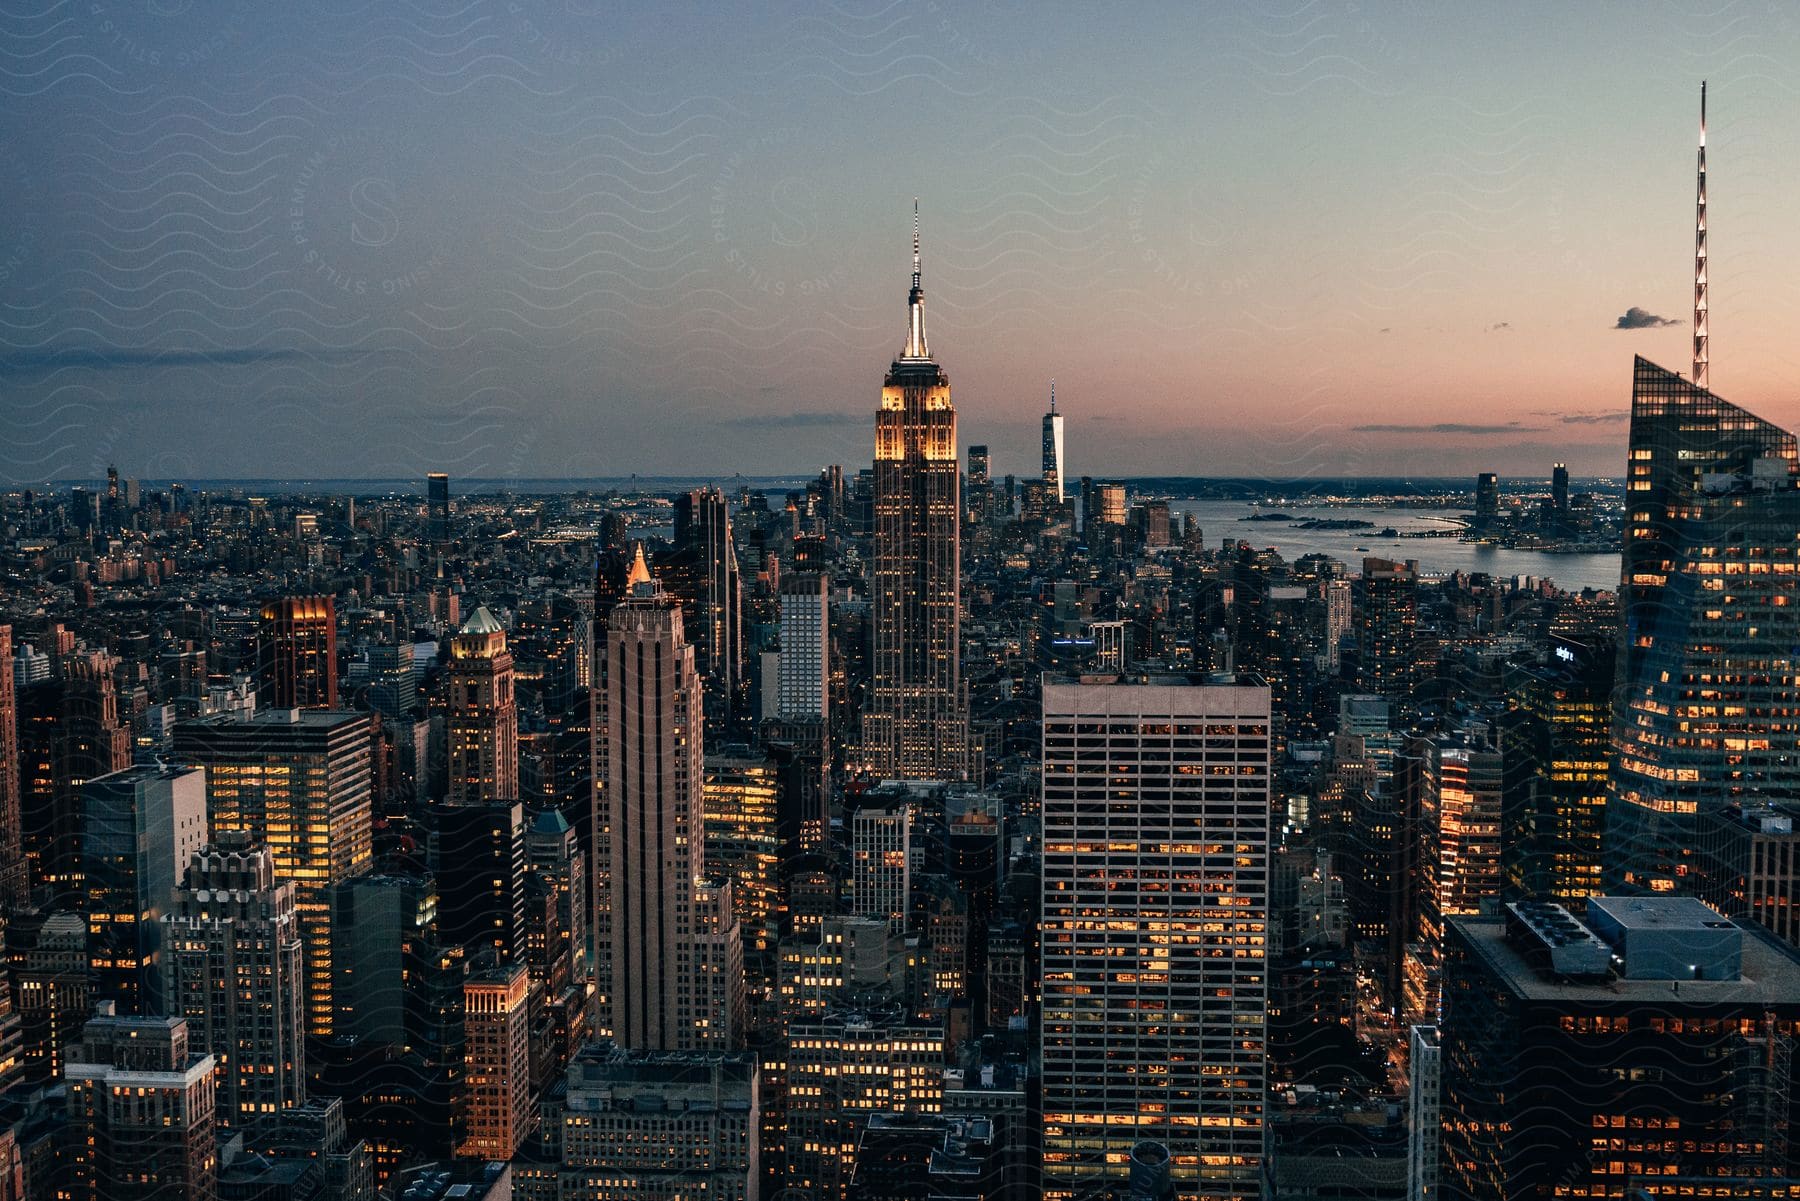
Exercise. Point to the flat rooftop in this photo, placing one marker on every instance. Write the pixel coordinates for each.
(1770, 974)
(1660, 913)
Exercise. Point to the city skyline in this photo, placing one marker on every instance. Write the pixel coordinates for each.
(496, 701)
(1258, 244)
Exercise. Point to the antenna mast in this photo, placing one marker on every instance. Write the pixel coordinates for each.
(1700, 329)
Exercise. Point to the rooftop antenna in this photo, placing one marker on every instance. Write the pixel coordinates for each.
(1700, 329)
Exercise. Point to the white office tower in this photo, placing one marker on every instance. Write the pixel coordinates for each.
(1155, 911)
(1423, 1115)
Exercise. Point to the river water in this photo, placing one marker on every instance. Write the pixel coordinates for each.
(1437, 556)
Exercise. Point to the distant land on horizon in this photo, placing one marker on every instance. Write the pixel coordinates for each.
(1192, 487)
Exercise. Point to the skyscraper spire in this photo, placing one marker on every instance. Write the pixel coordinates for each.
(1700, 330)
(1053, 395)
(915, 302)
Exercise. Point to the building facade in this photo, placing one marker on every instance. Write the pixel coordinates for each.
(298, 781)
(1707, 712)
(497, 1111)
(141, 1112)
(655, 801)
(916, 724)
(297, 653)
(483, 721)
(232, 967)
(141, 826)
(1154, 919)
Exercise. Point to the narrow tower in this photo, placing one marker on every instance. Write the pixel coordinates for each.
(1700, 251)
(915, 726)
(1053, 449)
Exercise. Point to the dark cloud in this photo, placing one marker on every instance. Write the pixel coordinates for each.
(797, 421)
(1442, 427)
(1606, 418)
(1636, 318)
(22, 361)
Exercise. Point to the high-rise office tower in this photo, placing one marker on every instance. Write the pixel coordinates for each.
(1389, 632)
(140, 827)
(15, 881)
(393, 692)
(384, 930)
(743, 845)
(1109, 504)
(69, 733)
(1338, 612)
(298, 781)
(297, 654)
(1460, 802)
(1707, 710)
(880, 850)
(496, 1062)
(483, 722)
(554, 856)
(980, 466)
(1424, 1072)
(1053, 449)
(703, 573)
(1155, 910)
(231, 966)
(916, 724)
(1555, 740)
(1487, 500)
(1646, 1049)
(1559, 490)
(655, 820)
(478, 859)
(437, 510)
(805, 672)
(141, 1111)
(613, 571)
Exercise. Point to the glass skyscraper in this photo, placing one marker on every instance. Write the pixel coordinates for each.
(1707, 709)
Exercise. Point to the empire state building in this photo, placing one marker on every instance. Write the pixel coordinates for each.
(916, 724)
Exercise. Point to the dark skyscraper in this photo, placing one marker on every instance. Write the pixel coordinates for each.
(1487, 500)
(69, 733)
(916, 726)
(980, 465)
(1559, 490)
(437, 509)
(1651, 1042)
(140, 827)
(297, 653)
(1389, 629)
(1707, 711)
(703, 573)
(1053, 450)
(1556, 738)
(14, 881)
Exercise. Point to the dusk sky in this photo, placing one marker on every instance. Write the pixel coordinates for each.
(510, 239)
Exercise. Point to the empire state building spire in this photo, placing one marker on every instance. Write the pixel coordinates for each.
(1700, 331)
(915, 302)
